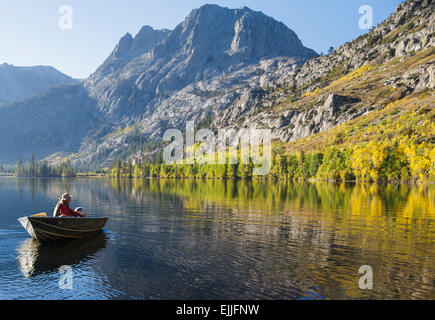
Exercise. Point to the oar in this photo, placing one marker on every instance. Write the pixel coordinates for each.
(40, 215)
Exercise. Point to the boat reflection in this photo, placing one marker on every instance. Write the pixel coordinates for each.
(36, 258)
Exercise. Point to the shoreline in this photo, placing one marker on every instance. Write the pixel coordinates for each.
(228, 179)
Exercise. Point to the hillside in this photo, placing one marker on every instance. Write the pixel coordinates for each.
(364, 112)
(56, 119)
(363, 75)
(404, 111)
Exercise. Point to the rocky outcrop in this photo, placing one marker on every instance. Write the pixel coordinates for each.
(126, 50)
(292, 125)
(431, 80)
(334, 112)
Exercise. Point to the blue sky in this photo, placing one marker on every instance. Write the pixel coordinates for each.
(30, 33)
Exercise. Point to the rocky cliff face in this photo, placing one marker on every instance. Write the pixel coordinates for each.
(17, 83)
(210, 42)
(126, 50)
(240, 68)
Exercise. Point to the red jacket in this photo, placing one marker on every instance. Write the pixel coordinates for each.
(66, 211)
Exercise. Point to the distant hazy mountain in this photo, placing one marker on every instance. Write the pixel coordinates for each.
(56, 119)
(17, 83)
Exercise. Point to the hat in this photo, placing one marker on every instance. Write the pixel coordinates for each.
(66, 196)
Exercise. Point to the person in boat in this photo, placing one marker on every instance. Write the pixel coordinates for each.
(62, 208)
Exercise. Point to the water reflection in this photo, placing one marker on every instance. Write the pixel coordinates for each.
(37, 258)
(402, 201)
(191, 239)
(308, 234)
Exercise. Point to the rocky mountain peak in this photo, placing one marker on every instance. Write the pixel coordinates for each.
(211, 41)
(243, 33)
(123, 45)
(128, 48)
(144, 41)
(211, 9)
(214, 9)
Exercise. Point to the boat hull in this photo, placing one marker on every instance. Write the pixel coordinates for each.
(62, 229)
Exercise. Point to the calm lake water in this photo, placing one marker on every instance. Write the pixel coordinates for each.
(190, 239)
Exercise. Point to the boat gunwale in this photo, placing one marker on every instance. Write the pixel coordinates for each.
(57, 227)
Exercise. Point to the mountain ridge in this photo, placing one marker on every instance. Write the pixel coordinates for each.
(17, 83)
(128, 48)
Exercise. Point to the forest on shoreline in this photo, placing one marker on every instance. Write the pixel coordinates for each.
(37, 169)
(374, 161)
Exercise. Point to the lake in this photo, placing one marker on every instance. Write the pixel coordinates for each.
(187, 239)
